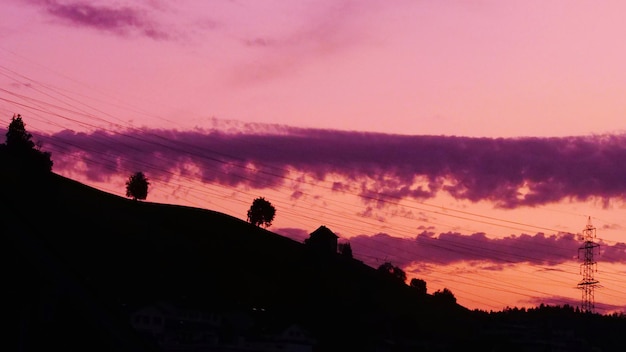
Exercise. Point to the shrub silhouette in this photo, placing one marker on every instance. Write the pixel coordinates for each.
(445, 295)
(419, 285)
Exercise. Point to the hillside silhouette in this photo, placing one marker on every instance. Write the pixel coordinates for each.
(79, 262)
(130, 253)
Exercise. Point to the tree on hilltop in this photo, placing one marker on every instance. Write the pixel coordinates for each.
(137, 186)
(17, 136)
(261, 212)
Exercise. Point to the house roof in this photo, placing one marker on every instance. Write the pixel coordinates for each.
(323, 232)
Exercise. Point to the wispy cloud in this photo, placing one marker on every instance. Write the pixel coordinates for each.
(379, 168)
(120, 20)
(325, 29)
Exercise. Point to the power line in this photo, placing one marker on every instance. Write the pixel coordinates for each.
(340, 221)
(479, 286)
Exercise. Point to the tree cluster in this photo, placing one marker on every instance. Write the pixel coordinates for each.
(392, 271)
(445, 295)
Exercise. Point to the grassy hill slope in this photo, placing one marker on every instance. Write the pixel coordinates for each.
(130, 251)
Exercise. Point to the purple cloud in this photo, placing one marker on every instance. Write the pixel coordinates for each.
(480, 251)
(448, 248)
(380, 168)
(113, 19)
(451, 247)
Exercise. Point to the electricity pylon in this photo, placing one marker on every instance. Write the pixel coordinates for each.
(588, 284)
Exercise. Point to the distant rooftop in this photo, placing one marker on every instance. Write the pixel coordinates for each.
(323, 232)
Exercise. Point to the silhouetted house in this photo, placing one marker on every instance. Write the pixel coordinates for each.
(177, 328)
(323, 240)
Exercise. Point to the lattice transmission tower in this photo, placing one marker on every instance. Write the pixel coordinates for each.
(588, 267)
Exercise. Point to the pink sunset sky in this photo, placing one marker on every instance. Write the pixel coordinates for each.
(467, 142)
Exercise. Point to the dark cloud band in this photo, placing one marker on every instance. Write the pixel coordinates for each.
(508, 172)
(451, 247)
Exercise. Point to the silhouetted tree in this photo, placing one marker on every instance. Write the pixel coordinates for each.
(419, 285)
(392, 271)
(445, 295)
(17, 136)
(22, 151)
(137, 186)
(345, 250)
(261, 212)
